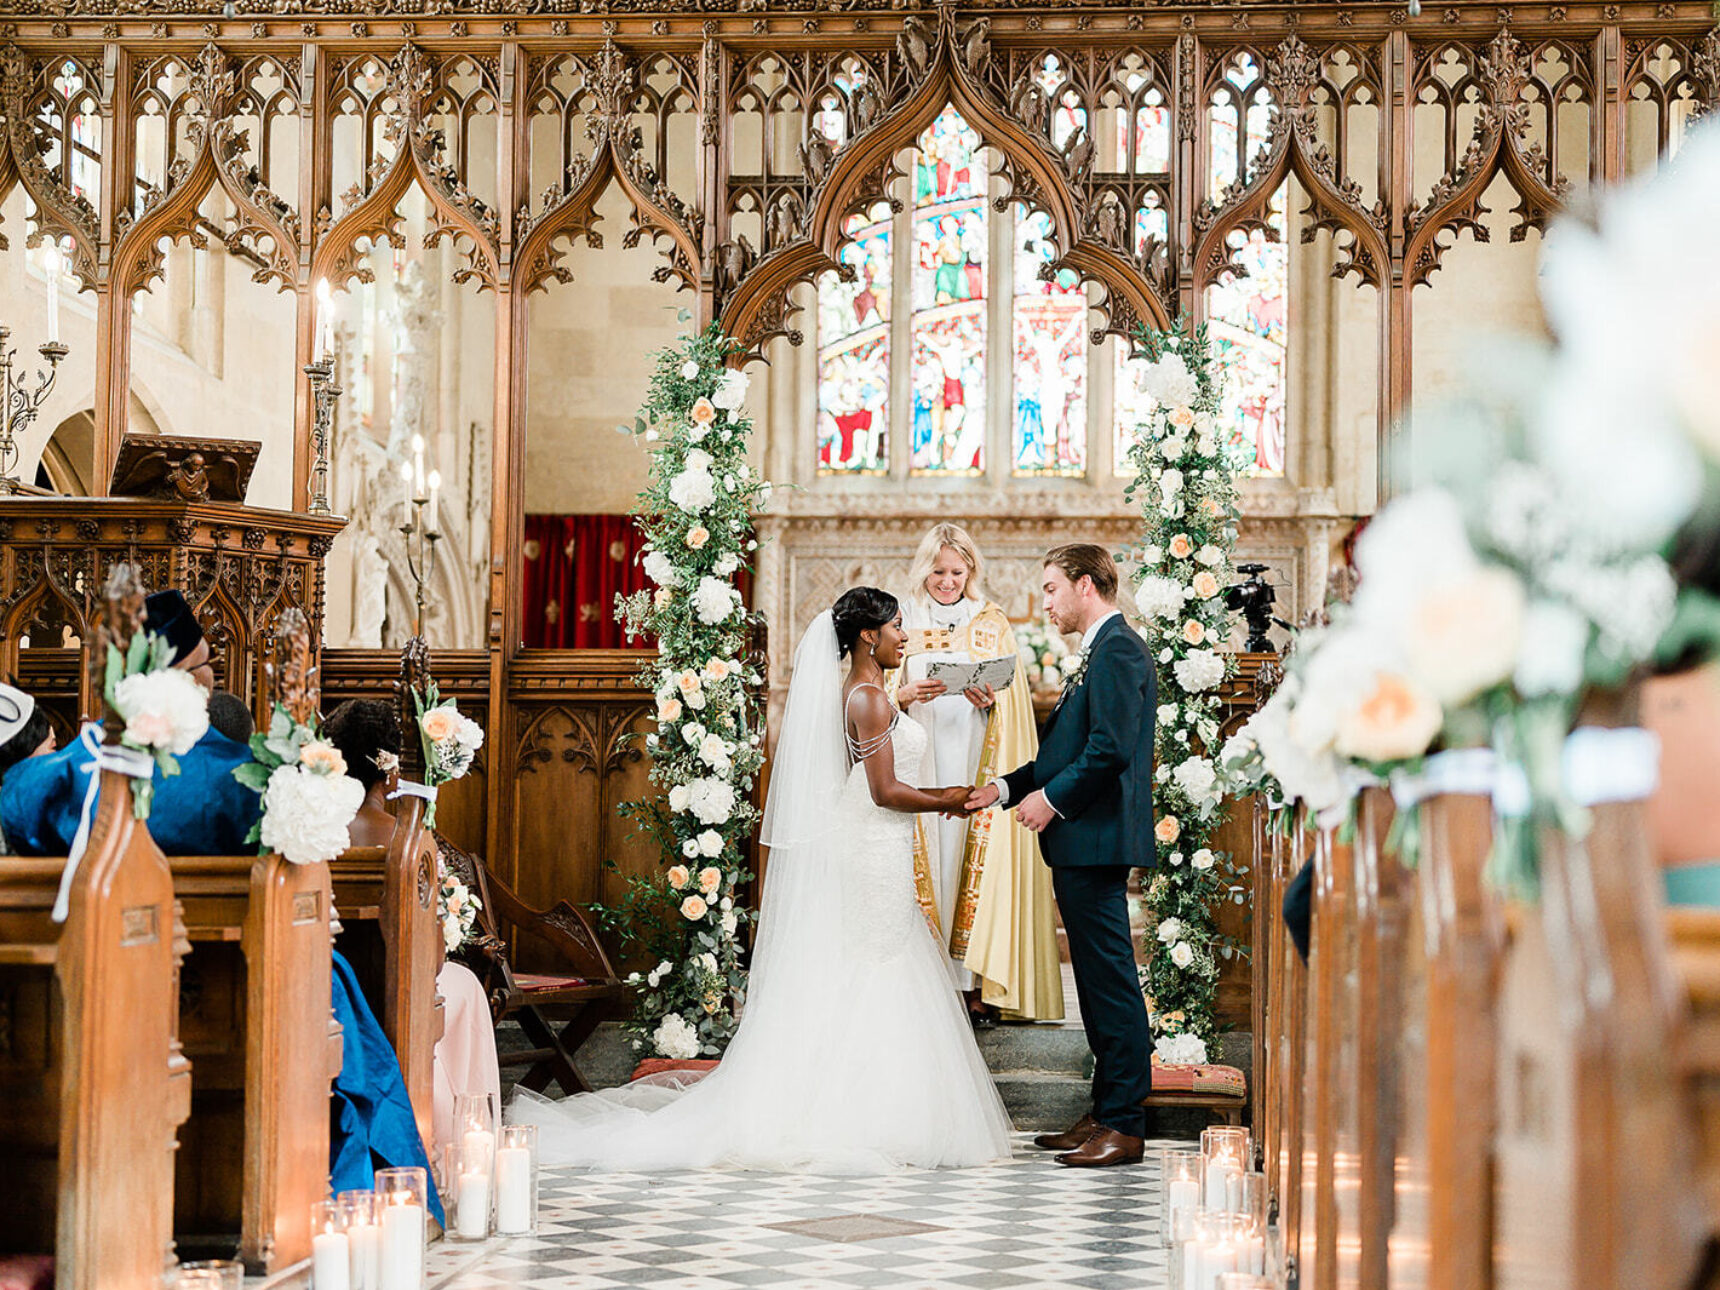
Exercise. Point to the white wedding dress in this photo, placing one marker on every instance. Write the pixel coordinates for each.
(854, 1054)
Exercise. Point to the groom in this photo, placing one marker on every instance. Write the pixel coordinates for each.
(1089, 795)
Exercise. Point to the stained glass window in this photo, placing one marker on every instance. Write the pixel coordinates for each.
(1049, 357)
(1131, 405)
(854, 353)
(1247, 319)
(947, 332)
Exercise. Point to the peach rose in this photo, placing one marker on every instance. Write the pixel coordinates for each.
(1193, 632)
(717, 669)
(1205, 585)
(661, 597)
(697, 536)
(704, 412)
(1167, 830)
(1397, 719)
(693, 909)
(668, 709)
(1209, 506)
(688, 681)
(322, 758)
(1181, 546)
(1182, 418)
(710, 878)
(438, 724)
(678, 876)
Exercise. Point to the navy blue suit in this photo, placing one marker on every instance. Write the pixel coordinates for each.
(1095, 765)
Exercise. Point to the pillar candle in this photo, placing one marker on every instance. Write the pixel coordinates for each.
(365, 1241)
(1253, 1255)
(1183, 1194)
(402, 1247)
(51, 264)
(513, 1190)
(472, 1205)
(406, 478)
(330, 1262)
(1219, 1171)
(1215, 1260)
(435, 509)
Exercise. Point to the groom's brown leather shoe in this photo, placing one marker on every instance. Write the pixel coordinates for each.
(1105, 1147)
(1069, 1139)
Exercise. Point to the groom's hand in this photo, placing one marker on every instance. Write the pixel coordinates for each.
(982, 797)
(1035, 811)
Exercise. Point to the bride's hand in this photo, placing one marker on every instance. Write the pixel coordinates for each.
(953, 800)
(911, 692)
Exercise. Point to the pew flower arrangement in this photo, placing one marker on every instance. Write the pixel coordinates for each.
(1185, 484)
(1049, 662)
(457, 909)
(449, 739)
(1530, 573)
(696, 516)
(164, 710)
(308, 798)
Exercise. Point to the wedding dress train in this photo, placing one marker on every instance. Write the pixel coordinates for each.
(854, 1054)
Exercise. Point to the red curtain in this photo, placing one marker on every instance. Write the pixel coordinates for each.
(574, 567)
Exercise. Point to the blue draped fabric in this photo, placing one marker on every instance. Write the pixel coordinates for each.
(202, 811)
(371, 1125)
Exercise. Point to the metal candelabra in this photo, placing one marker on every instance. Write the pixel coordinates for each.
(324, 392)
(421, 539)
(19, 404)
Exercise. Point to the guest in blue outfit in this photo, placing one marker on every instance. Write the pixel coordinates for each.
(202, 810)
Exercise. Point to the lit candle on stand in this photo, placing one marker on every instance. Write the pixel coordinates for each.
(406, 478)
(51, 266)
(418, 463)
(435, 506)
(325, 322)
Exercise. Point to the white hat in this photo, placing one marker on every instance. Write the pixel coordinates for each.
(16, 709)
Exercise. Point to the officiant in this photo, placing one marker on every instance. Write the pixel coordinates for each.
(981, 882)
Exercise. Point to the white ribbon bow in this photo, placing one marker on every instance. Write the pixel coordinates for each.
(127, 761)
(412, 788)
(1611, 765)
(1462, 770)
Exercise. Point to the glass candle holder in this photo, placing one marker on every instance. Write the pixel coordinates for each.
(363, 1239)
(1245, 1281)
(1181, 1171)
(331, 1253)
(1245, 1196)
(402, 1203)
(476, 1117)
(517, 1181)
(211, 1274)
(1226, 1150)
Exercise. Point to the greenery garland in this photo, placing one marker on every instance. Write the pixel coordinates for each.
(1185, 484)
(696, 516)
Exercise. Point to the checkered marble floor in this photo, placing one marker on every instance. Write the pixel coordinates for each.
(1028, 1222)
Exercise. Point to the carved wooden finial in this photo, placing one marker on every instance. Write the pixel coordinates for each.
(120, 619)
(293, 668)
(414, 677)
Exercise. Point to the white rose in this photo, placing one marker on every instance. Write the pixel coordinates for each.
(708, 961)
(692, 733)
(305, 815)
(1181, 954)
(714, 752)
(1201, 859)
(730, 922)
(1176, 856)
(731, 391)
(690, 849)
(1167, 713)
(693, 491)
(1464, 636)
(697, 432)
(713, 601)
(165, 710)
(698, 459)
(1152, 555)
(710, 843)
(1171, 482)
(1394, 720)
(1210, 555)
(689, 370)
(727, 564)
(1169, 931)
(680, 797)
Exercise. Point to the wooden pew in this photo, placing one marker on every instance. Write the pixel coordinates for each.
(93, 1085)
(256, 1013)
(1287, 1021)
(1695, 936)
(386, 902)
(1442, 1227)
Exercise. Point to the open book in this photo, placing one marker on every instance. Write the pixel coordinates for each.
(996, 672)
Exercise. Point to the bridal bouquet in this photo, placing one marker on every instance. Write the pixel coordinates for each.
(696, 516)
(449, 739)
(308, 798)
(164, 710)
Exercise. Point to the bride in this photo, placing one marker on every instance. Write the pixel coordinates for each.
(854, 1054)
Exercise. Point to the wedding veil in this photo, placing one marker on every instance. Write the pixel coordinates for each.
(810, 764)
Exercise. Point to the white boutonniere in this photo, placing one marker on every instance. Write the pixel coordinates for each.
(1079, 675)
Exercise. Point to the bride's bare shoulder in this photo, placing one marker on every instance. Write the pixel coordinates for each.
(868, 709)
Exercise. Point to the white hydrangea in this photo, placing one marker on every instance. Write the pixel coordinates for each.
(1167, 713)
(1159, 597)
(727, 564)
(1180, 1050)
(165, 710)
(711, 800)
(1170, 382)
(675, 1039)
(693, 491)
(305, 815)
(714, 752)
(713, 600)
(1197, 778)
(1200, 670)
(731, 391)
(661, 569)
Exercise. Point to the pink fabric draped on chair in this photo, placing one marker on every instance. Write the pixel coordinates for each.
(465, 1060)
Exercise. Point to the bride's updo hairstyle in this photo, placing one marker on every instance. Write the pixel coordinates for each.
(860, 609)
